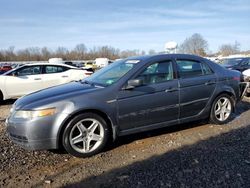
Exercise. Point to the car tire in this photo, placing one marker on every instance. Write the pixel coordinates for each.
(1, 97)
(222, 109)
(85, 135)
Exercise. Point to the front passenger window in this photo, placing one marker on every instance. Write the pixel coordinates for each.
(157, 73)
(30, 70)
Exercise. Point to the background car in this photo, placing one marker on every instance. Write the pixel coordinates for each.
(33, 77)
(239, 64)
(246, 75)
(5, 68)
(128, 96)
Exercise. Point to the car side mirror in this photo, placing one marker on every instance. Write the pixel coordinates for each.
(134, 83)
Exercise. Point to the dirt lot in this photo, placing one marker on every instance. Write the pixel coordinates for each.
(189, 155)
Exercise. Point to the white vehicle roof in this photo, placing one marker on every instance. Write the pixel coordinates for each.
(56, 64)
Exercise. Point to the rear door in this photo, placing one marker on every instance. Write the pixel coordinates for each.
(23, 81)
(55, 75)
(197, 82)
(156, 101)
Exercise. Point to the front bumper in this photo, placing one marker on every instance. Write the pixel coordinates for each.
(36, 134)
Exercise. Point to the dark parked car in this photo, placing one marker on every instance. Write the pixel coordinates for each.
(239, 64)
(129, 96)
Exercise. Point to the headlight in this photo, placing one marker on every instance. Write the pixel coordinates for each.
(29, 114)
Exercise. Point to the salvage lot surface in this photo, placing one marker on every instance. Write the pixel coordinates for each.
(190, 155)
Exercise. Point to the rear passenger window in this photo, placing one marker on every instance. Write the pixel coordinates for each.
(188, 69)
(54, 69)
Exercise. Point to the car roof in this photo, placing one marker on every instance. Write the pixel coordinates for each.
(55, 64)
(168, 56)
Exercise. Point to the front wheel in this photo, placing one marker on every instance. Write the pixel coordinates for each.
(222, 109)
(85, 135)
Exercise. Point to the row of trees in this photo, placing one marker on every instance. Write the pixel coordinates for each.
(80, 52)
(195, 44)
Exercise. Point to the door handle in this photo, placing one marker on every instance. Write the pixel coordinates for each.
(210, 82)
(64, 76)
(171, 90)
(37, 78)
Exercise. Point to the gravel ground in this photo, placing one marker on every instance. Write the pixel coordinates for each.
(189, 155)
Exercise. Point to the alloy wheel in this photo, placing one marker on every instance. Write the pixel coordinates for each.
(223, 109)
(86, 135)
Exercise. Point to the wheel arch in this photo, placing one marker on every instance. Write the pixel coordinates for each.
(108, 120)
(228, 92)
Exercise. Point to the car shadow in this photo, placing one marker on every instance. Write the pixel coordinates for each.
(123, 140)
(7, 102)
(220, 161)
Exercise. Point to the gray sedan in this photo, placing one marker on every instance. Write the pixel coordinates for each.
(129, 96)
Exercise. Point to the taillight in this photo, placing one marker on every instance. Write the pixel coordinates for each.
(236, 78)
(88, 73)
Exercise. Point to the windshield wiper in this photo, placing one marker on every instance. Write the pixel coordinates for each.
(92, 83)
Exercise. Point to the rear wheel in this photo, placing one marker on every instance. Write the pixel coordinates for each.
(222, 109)
(1, 97)
(85, 135)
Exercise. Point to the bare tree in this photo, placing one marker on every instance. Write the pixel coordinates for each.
(46, 53)
(80, 51)
(151, 52)
(229, 49)
(195, 44)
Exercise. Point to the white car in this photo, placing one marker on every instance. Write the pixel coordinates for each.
(246, 73)
(33, 77)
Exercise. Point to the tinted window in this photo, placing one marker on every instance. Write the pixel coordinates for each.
(206, 69)
(188, 68)
(30, 70)
(54, 69)
(233, 61)
(157, 73)
(246, 62)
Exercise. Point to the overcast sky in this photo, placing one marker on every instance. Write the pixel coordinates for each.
(125, 24)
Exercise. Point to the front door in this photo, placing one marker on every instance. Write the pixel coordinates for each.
(156, 101)
(25, 80)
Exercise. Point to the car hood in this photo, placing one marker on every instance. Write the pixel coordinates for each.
(54, 94)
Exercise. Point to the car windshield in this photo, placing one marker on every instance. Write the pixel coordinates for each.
(112, 73)
(234, 61)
